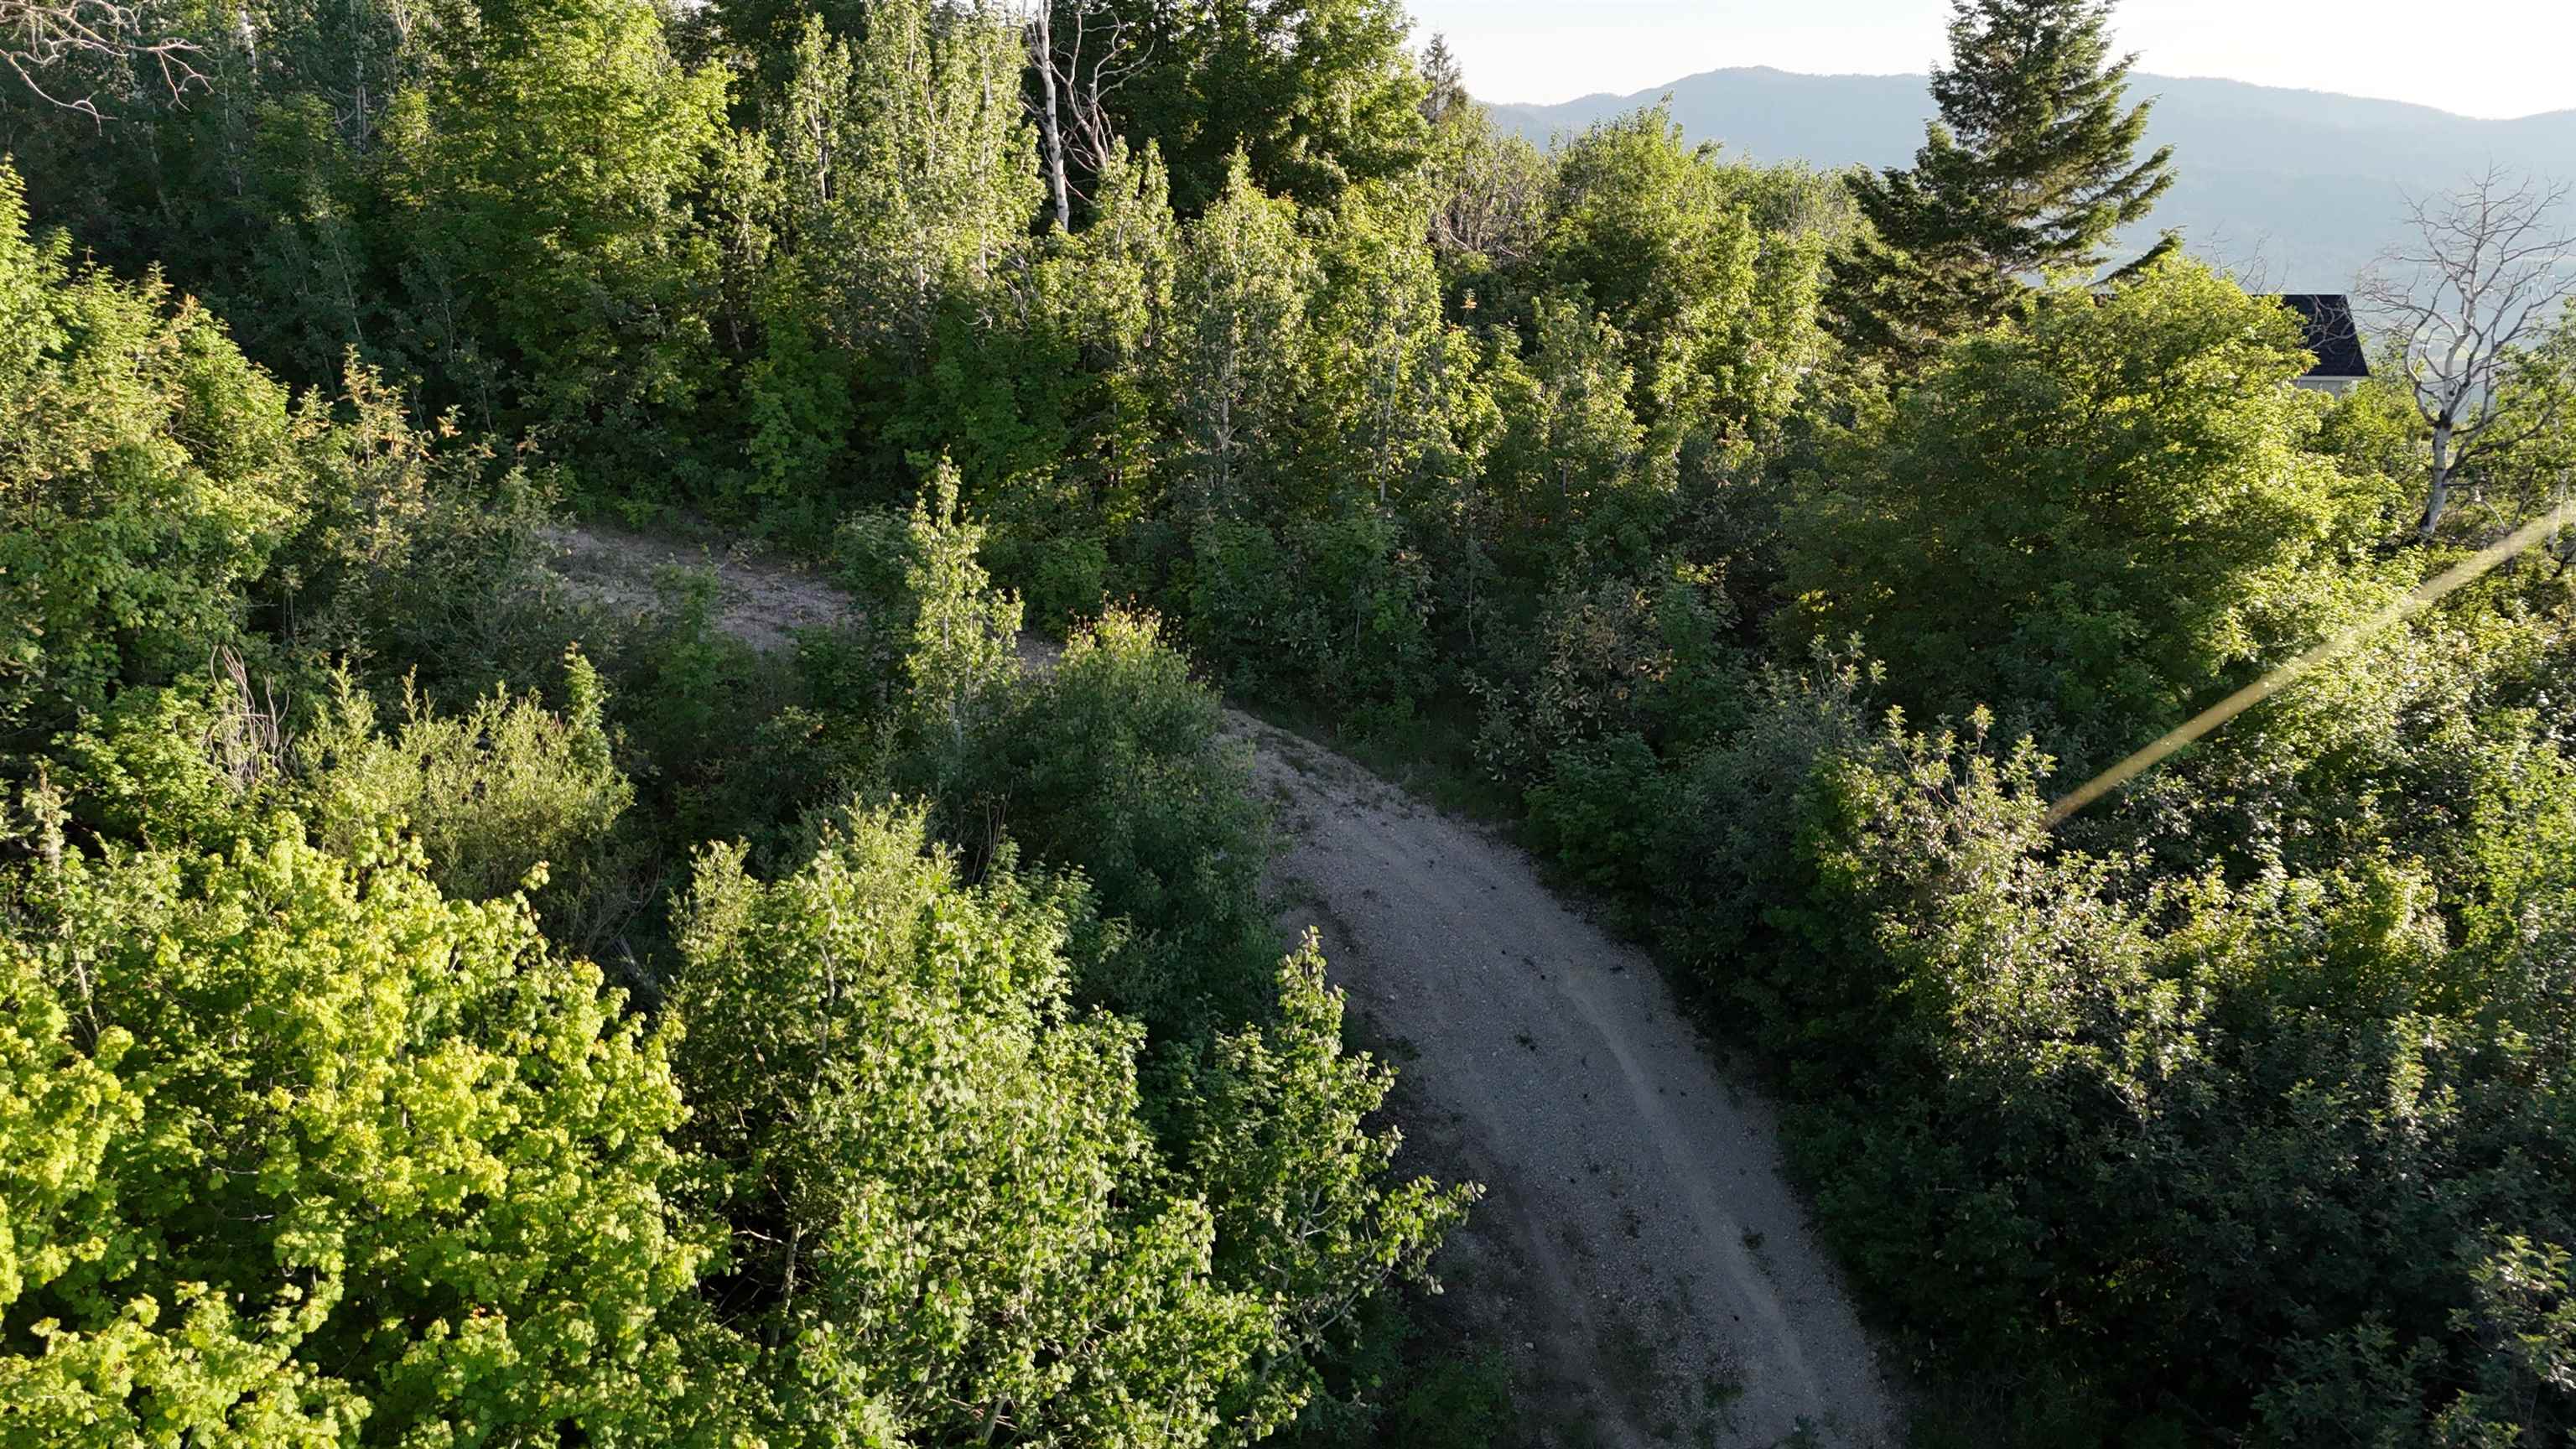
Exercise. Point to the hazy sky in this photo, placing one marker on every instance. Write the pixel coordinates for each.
(2476, 57)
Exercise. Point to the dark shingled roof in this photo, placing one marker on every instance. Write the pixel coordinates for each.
(2332, 335)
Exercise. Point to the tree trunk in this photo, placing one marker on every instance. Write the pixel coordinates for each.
(1050, 120)
(2438, 500)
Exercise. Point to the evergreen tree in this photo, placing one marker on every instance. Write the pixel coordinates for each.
(2029, 172)
(1444, 82)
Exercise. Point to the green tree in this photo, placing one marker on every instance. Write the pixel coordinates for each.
(1103, 317)
(897, 306)
(1657, 235)
(965, 634)
(154, 474)
(2028, 174)
(544, 179)
(1297, 1180)
(1239, 319)
(930, 186)
(1316, 95)
(1391, 375)
(948, 1219)
(1577, 476)
(297, 1152)
(494, 793)
(2093, 523)
(1115, 763)
(254, 187)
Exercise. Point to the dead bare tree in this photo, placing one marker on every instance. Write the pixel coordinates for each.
(1082, 51)
(1492, 198)
(2486, 271)
(246, 738)
(42, 36)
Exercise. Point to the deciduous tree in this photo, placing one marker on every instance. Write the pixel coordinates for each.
(298, 1152)
(2091, 522)
(2485, 274)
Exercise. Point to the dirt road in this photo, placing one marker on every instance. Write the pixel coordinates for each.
(1639, 1250)
(1638, 1238)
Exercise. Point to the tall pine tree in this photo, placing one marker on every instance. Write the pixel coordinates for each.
(2030, 171)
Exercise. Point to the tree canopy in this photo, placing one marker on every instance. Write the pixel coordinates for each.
(455, 988)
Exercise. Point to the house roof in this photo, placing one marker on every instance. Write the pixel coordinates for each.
(2332, 334)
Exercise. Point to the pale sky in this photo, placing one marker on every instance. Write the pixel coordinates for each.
(2494, 58)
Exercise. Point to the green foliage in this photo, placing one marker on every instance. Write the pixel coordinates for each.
(1622, 657)
(1656, 236)
(1239, 305)
(905, 159)
(1329, 605)
(1116, 763)
(1276, 1119)
(2192, 1057)
(497, 796)
(153, 473)
(2129, 486)
(1577, 474)
(298, 1152)
(874, 1046)
(543, 178)
(2361, 1384)
(2245, 1152)
(413, 551)
(964, 635)
(1386, 367)
(1315, 95)
(2230, 1110)
(1486, 184)
(798, 407)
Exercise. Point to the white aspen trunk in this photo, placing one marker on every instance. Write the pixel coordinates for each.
(2438, 499)
(1050, 121)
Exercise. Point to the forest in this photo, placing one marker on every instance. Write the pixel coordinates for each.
(438, 1008)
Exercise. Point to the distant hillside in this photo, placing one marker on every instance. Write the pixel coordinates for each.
(2304, 182)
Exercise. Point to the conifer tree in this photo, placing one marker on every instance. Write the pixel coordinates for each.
(2030, 171)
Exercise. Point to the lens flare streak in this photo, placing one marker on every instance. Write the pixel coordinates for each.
(2523, 540)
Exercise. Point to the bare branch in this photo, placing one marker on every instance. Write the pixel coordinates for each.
(2487, 269)
(1083, 52)
(38, 37)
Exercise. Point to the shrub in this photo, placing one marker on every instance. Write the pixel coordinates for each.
(299, 1152)
(499, 795)
(945, 1209)
(1117, 764)
(153, 473)
(2093, 523)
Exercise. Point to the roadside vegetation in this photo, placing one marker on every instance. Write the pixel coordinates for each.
(437, 1008)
